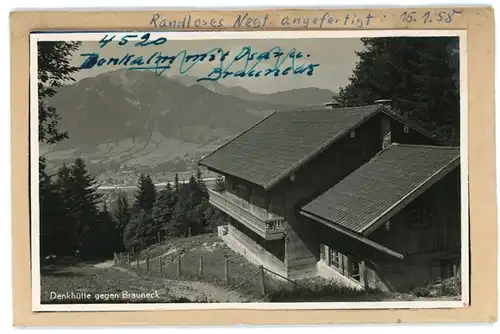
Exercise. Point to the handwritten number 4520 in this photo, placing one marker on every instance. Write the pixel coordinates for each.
(144, 40)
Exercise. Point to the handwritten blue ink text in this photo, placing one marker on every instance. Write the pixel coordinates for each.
(245, 63)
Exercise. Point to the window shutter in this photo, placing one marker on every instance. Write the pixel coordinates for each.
(323, 251)
(345, 263)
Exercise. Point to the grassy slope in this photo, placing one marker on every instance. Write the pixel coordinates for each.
(78, 278)
(215, 252)
(106, 284)
(243, 285)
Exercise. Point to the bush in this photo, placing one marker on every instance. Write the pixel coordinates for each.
(450, 287)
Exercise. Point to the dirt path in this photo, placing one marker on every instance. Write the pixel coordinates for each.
(202, 291)
(191, 290)
(107, 264)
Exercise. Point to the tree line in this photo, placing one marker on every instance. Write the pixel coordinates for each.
(77, 220)
(419, 74)
(71, 223)
(179, 209)
(74, 216)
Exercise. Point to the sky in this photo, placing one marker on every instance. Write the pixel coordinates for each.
(336, 59)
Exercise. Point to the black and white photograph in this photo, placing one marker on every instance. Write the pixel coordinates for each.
(299, 169)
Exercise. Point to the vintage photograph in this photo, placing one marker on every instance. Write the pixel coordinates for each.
(254, 168)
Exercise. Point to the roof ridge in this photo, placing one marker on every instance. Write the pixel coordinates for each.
(357, 107)
(395, 144)
(335, 109)
(402, 118)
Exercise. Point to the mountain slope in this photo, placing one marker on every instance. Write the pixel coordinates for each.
(130, 104)
(130, 118)
(294, 97)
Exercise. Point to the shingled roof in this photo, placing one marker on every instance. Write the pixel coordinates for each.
(278, 145)
(389, 181)
(274, 147)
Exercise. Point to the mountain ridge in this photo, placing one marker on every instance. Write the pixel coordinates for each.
(139, 117)
(297, 96)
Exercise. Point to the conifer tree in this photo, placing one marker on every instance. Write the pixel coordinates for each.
(194, 188)
(220, 184)
(54, 232)
(164, 209)
(64, 182)
(106, 238)
(419, 75)
(86, 183)
(77, 202)
(145, 196)
(122, 213)
(201, 184)
(66, 202)
(179, 223)
(177, 186)
(84, 200)
(141, 231)
(56, 224)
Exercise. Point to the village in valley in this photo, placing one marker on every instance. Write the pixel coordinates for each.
(345, 196)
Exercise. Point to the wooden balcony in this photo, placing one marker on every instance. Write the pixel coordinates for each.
(269, 226)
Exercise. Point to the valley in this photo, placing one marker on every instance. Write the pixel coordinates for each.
(124, 123)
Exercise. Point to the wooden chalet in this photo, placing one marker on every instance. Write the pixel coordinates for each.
(360, 195)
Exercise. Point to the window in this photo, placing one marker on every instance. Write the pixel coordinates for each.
(355, 274)
(420, 214)
(419, 218)
(335, 259)
(353, 134)
(343, 263)
(324, 253)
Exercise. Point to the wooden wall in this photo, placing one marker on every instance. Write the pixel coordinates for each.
(254, 251)
(259, 196)
(424, 249)
(311, 180)
(443, 230)
(302, 242)
(398, 135)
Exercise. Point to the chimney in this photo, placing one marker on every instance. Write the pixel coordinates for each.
(387, 103)
(383, 102)
(385, 125)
